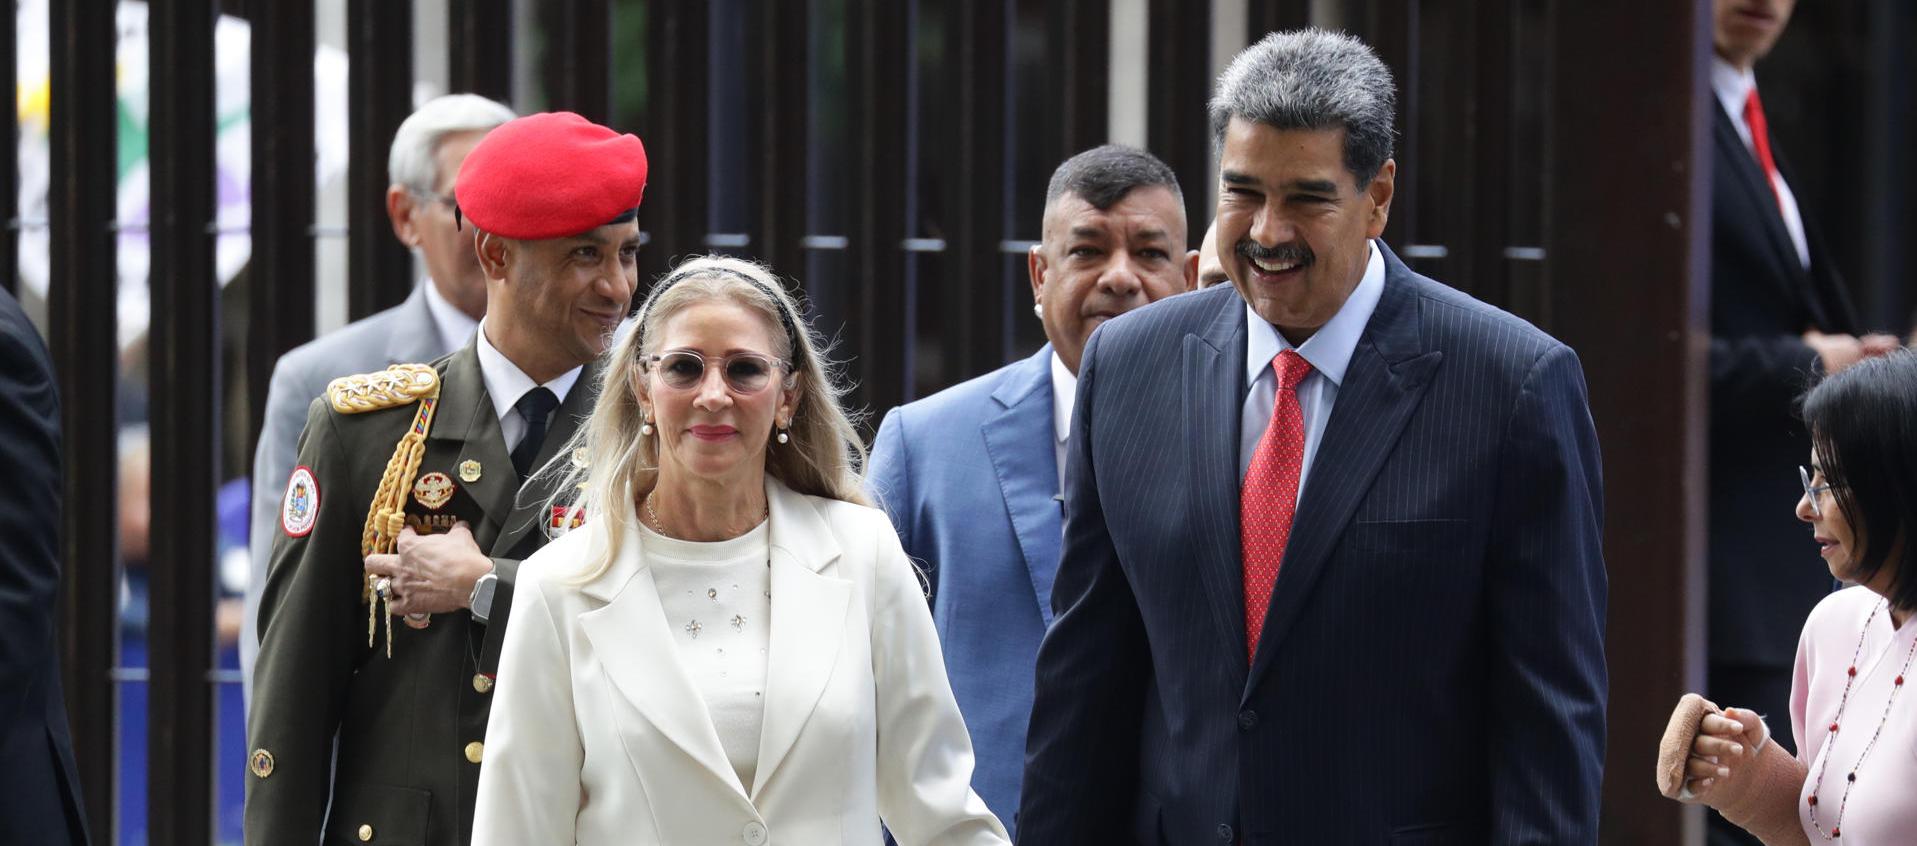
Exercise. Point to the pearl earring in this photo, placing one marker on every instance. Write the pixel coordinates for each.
(1038, 310)
(646, 427)
(783, 438)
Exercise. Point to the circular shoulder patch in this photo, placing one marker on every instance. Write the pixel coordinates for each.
(300, 509)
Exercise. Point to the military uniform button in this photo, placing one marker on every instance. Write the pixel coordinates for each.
(475, 750)
(365, 834)
(481, 683)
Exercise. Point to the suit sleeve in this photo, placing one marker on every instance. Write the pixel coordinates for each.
(313, 638)
(1760, 373)
(1088, 695)
(529, 789)
(925, 755)
(888, 480)
(1546, 595)
(286, 404)
(29, 515)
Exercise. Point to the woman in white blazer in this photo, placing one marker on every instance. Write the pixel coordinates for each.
(732, 647)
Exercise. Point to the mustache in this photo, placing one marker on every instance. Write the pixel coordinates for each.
(1288, 253)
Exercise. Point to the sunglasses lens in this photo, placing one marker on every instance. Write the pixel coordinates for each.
(681, 370)
(748, 374)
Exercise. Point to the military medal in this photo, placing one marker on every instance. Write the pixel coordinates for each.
(564, 519)
(433, 490)
(469, 471)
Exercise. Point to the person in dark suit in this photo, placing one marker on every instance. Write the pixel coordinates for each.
(970, 475)
(1780, 317)
(1332, 568)
(39, 790)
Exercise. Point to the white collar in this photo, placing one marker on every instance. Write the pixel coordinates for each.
(1329, 349)
(1732, 86)
(1064, 393)
(506, 383)
(454, 326)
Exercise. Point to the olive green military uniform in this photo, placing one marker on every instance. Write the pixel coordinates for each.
(393, 744)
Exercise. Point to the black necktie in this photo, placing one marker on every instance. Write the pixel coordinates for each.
(534, 407)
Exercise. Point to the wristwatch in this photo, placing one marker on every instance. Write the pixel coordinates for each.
(481, 602)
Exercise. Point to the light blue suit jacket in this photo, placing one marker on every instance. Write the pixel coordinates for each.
(970, 481)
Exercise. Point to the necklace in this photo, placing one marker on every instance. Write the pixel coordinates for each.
(660, 526)
(1850, 778)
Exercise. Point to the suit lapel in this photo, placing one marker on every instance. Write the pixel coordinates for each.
(1761, 202)
(633, 642)
(466, 420)
(808, 624)
(1019, 439)
(1213, 369)
(1383, 385)
(417, 339)
(528, 518)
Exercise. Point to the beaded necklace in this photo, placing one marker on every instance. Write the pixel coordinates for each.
(1850, 779)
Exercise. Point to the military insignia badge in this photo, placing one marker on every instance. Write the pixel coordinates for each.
(469, 471)
(261, 763)
(564, 519)
(299, 509)
(433, 490)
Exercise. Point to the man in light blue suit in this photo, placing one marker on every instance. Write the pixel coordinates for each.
(436, 319)
(971, 475)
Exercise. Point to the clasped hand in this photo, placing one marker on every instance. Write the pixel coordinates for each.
(1724, 745)
(432, 574)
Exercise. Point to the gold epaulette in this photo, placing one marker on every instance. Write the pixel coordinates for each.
(401, 384)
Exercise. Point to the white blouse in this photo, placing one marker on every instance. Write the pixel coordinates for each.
(718, 600)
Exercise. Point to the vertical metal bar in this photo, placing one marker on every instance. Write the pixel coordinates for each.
(83, 289)
(481, 46)
(185, 395)
(379, 84)
(280, 302)
(1083, 35)
(10, 174)
(1263, 17)
(780, 34)
(577, 66)
(674, 211)
(1643, 313)
(1179, 86)
(880, 49)
(977, 302)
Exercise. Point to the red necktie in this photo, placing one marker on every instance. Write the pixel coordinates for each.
(1761, 143)
(1270, 496)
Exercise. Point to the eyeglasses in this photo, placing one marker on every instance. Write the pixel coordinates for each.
(1814, 493)
(447, 200)
(744, 373)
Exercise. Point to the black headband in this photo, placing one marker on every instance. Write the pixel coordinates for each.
(675, 277)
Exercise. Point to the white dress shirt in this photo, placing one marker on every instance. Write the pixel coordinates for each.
(454, 326)
(506, 383)
(1064, 393)
(1328, 351)
(1733, 87)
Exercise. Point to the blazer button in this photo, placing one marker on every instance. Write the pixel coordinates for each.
(754, 833)
(1224, 833)
(1247, 720)
(481, 683)
(475, 751)
(365, 834)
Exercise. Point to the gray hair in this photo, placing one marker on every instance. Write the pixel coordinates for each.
(1103, 175)
(412, 162)
(1312, 79)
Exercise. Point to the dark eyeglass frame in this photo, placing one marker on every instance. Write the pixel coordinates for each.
(1813, 492)
(772, 365)
(449, 201)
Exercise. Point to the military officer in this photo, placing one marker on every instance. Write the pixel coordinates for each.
(402, 526)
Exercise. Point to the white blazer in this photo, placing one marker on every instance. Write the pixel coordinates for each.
(598, 736)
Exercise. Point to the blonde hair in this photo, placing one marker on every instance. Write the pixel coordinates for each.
(824, 452)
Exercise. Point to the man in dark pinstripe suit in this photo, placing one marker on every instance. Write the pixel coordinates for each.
(1338, 579)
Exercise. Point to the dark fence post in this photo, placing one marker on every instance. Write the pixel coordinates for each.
(674, 130)
(81, 296)
(481, 45)
(577, 65)
(880, 50)
(1177, 90)
(280, 300)
(379, 85)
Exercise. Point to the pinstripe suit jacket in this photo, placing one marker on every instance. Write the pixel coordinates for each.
(1432, 665)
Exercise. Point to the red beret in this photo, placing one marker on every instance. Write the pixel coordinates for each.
(550, 175)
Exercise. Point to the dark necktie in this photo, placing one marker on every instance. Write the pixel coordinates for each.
(534, 408)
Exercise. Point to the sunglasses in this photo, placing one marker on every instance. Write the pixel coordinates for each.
(744, 373)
